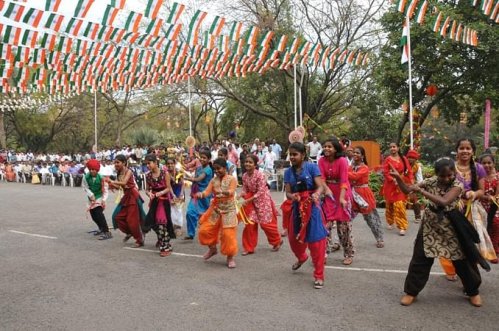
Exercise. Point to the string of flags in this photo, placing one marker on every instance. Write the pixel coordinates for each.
(30, 101)
(422, 11)
(60, 54)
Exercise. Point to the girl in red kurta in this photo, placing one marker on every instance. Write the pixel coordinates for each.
(394, 197)
(337, 205)
(358, 174)
(128, 215)
(258, 207)
(490, 198)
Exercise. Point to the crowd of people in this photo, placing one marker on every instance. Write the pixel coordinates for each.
(326, 186)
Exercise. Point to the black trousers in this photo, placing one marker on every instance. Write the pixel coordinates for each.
(98, 217)
(420, 266)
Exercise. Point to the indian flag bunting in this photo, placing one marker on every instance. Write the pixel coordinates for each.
(495, 13)
(420, 16)
(48, 41)
(65, 44)
(281, 46)
(6, 52)
(29, 38)
(173, 31)
(235, 31)
(14, 12)
(267, 39)
(33, 17)
(74, 26)
(453, 30)
(11, 35)
(52, 5)
(110, 15)
(54, 22)
(175, 12)
(217, 26)
(152, 8)
(445, 26)
(120, 4)
(438, 22)
(83, 7)
(401, 5)
(293, 48)
(91, 30)
(133, 21)
(194, 27)
(411, 8)
(154, 28)
(252, 36)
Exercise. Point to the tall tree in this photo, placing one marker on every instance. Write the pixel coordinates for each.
(464, 75)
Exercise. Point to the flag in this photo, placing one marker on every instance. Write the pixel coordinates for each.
(420, 16)
(152, 8)
(118, 3)
(14, 12)
(175, 12)
(52, 5)
(82, 8)
(91, 30)
(411, 8)
(401, 5)
(217, 26)
(133, 21)
(154, 26)
(281, 46)
(54, 22)
(11, 35)
(404, 44)
(109, 15)
(438, 21)
(33, 17)
(445, 26)
(235, 31)
(74, 26)
(194, 27)
(252, 35)
(29, 38)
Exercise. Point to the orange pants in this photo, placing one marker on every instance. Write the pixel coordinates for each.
(448, 267)
(395, 213)
(209, 234)
(250, 235)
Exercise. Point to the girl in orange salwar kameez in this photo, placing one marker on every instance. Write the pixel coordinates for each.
(259, 208)
(394, 197)
(220, 220)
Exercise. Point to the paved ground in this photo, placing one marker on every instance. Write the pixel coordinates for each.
(68, 280)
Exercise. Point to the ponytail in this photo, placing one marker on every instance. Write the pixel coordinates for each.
(404, 160)
(474, 177)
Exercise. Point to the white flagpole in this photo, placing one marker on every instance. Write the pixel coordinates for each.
(95, 119)
(294, 83)
(190, 106)
(409, 57)
(301, 107)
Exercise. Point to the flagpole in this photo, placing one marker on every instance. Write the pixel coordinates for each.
(301, 106)
(190, 106)
(409, 56)
(95, 119)
(294, 84)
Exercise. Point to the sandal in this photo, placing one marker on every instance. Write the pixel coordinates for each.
(380, 244)
(318, 284)
(347, 261)
(106, 235)
(231, 264)
(127, 237)
(211, 252)
(298, 264)
(451, 278)
(246, 253)
(137, 245)
(277, 247)
(165, 253)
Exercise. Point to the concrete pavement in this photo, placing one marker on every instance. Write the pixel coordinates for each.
(64, 279)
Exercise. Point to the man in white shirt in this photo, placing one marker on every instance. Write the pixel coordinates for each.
(314, 149)
(276, 148)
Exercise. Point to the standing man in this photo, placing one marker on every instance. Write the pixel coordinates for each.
(276, 148)
(314, 149)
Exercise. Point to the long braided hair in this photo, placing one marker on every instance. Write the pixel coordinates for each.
(474, 177)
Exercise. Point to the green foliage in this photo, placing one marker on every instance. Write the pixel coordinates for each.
(144, 136)
(465, 75)
(376, 183)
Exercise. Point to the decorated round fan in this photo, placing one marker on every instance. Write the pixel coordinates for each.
(302, 130)
(190, 141)
(295, 137)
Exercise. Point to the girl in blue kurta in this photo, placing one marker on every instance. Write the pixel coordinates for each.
(304, 185)
(198, 206)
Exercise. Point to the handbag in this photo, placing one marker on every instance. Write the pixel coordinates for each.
(359, 200)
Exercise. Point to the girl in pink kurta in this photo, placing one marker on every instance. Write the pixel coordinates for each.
(259, 208)
(338, 202)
